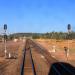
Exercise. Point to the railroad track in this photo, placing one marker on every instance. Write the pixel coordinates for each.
(30, 68)
(5, 65)
(9, 66)
(28, 63)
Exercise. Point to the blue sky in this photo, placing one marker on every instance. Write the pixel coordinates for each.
(37, 15)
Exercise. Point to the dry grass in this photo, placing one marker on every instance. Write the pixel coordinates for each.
(59, 47)
(11, 66)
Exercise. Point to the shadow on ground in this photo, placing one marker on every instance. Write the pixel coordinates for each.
(61, 68)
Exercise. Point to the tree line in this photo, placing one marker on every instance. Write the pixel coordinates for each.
(51, 35)
(48, 35)
(56, 35)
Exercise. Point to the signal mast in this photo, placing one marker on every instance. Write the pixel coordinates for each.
(69, 31)
(5, 38)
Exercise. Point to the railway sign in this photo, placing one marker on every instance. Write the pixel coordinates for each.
(66, 52)
(69, 27)
(9, 55)
(5, 26)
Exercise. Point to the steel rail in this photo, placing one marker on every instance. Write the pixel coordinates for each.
(64, 68)
(33, 66)
(22, 66)
(24, 55)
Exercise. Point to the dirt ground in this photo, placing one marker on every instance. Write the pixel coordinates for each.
(11, 66)
(58, 46)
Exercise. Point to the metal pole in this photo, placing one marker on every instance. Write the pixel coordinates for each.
(5, 44)
(69, 30)
(5, 48)
(5, 36)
